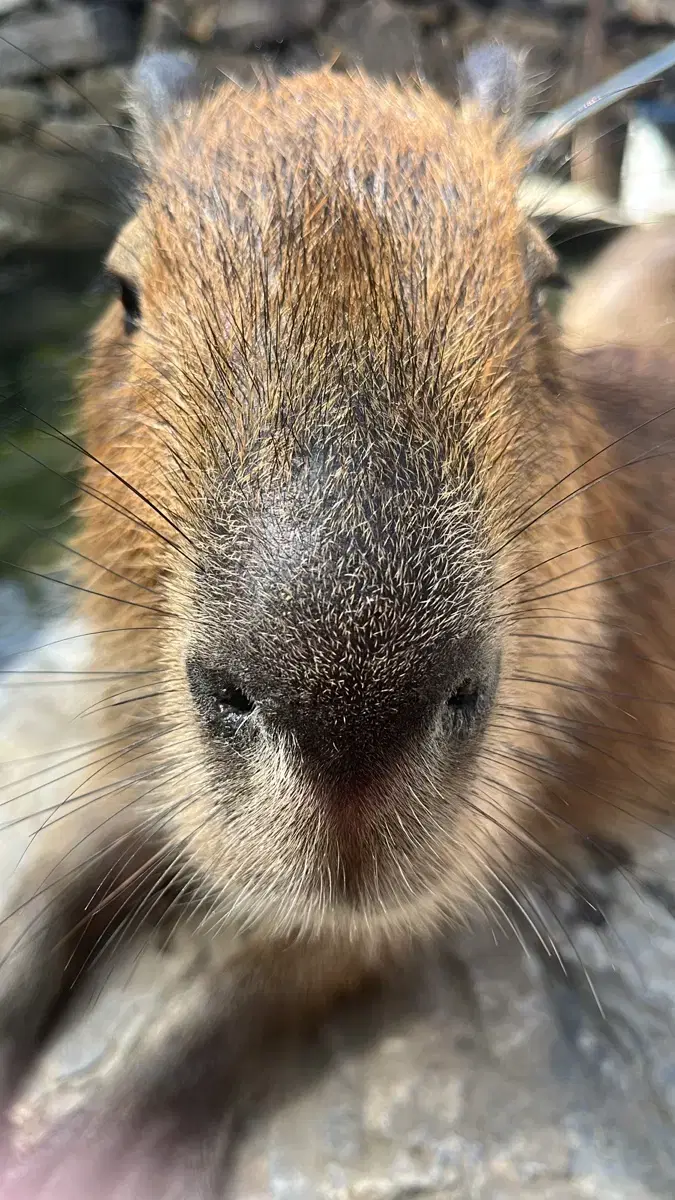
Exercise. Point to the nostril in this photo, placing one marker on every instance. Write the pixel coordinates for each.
(231, 700)
(220, 702)
(465, 705)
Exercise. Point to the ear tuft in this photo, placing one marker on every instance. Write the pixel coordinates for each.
(492, 76)
(161, 82)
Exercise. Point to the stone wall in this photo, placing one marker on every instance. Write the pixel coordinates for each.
(62, 70)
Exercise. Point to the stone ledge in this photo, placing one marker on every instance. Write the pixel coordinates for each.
(74, 36)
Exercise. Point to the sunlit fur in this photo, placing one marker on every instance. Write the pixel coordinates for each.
(339, 263)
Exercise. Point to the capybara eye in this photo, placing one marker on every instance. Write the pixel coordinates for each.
(556, 280)
(131, 302)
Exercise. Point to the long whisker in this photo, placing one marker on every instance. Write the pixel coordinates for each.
(79, 588)
(120, 509)
(646, 457)
(73, 637)
(68, 774)
(590, 690)
(550, 637)
(69, 441)
(615, 537)
(77, 553)
(72, 753)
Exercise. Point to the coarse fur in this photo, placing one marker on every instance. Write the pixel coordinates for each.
(339, 464)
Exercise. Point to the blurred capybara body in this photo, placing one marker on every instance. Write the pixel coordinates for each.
(627, 296)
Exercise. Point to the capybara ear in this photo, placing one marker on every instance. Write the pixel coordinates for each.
(162, 83)
(492, 77)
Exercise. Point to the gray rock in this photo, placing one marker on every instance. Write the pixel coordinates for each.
(647, 12)
(379, 35)
(11, 6)
(19, 106)
(50, 199)
(238, 25)
(64, 135)
(243, 22)
(652, 12)
(64, 95)
(526, 1097)
(486, 1076)
(73, 36)
(103, 89)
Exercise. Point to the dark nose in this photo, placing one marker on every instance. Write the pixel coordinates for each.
(349, 726)
(349, 614)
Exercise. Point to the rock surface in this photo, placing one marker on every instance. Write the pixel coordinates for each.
(74, 36)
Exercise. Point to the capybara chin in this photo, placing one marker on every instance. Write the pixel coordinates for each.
(387, 564)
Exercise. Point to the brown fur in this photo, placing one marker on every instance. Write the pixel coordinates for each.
(324, 239)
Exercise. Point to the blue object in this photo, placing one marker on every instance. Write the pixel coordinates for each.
(660, 112)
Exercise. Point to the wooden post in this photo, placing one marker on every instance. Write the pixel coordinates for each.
(595, 158)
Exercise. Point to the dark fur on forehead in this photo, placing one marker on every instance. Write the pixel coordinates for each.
(493, 77)
(161, 84)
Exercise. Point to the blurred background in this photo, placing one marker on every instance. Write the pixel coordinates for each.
(65, 180)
